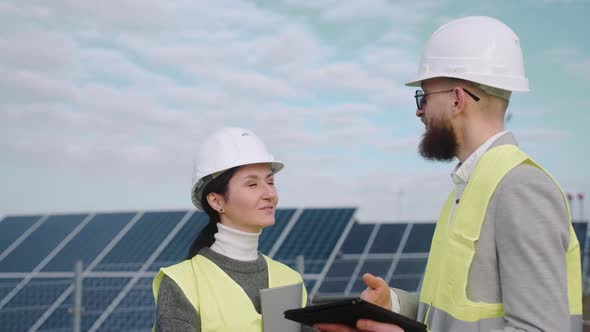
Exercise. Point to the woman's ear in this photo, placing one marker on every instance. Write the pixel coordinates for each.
(215, 201)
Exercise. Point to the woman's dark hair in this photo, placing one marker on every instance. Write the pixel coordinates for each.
(218, 185)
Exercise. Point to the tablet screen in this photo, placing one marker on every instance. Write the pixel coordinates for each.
(348, 312)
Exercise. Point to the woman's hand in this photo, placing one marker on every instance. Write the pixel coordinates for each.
(362, 325)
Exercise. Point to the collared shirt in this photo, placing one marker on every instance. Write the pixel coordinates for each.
(462, 171)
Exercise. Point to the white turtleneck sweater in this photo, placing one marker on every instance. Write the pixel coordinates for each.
(232, 243)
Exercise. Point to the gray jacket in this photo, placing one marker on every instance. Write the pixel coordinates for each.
(520, 258)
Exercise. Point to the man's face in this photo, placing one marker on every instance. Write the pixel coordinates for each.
(439, 141)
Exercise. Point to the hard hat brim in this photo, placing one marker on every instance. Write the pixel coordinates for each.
(508, 83)
(198, 187)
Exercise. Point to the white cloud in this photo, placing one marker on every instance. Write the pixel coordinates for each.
(110, 14)
(396, 36)
(344, 77)
(390, 62)
(37, 50)
(354, 10)
(386, 11)
(116, 95)
(288, 48)
(24, 85)
(315, 5)
(159, 19)
(251, 83)
(384, 196)
(116, 68)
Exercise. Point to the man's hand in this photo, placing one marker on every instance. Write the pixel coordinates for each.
(363, 325)
(377, 291)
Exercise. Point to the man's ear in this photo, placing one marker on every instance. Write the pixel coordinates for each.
(459, 102)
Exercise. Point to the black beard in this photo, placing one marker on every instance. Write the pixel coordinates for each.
(439, 142)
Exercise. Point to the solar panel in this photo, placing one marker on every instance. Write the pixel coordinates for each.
(420, 238)
(135, 312)
(396, 252)
(376, 267)
(357, 238)
(6, 285)
(378, 261)
(40, 243)
(314, 236)
(338, 276)
(388, 238)
(97, 295)
(12, 227)
(409, 284)
(357, 287)
(178, 248)
(140, 319)
(581, 230)
(410, 266)
(271, 234)
(309, 284)
(342, 268)
(333, 286)
(139, 243)
(20, 319)
(31, 302)
(87, 244)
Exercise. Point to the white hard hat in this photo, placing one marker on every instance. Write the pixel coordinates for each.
(224, 149)
(478, 49)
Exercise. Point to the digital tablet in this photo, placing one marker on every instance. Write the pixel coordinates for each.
(274, 301)
(348, 312)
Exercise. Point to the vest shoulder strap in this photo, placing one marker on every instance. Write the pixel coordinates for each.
(183, 275)
(284, 274)
(488, 173)
(280, 274)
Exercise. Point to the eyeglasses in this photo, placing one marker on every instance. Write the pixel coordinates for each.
(420, 96)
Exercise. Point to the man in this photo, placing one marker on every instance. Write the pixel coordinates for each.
(504, 256)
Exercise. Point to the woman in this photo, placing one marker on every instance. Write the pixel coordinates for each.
(217, 287)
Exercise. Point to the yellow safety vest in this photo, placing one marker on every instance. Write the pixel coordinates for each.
(453, 246)
(221, 303)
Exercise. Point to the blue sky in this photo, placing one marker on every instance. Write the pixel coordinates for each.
(102, 103)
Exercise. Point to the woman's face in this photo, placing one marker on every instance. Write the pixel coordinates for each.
(251, 199)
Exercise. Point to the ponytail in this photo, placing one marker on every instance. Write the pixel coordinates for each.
(206, 237)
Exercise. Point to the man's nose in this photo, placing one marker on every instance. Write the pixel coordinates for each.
(419, 113)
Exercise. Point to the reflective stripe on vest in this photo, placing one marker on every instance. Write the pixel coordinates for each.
(442, 321)
(226, 306)
(444, 305)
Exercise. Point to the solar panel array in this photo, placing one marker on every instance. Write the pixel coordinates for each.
(123, 251)
(395, 252)
(121, 254)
